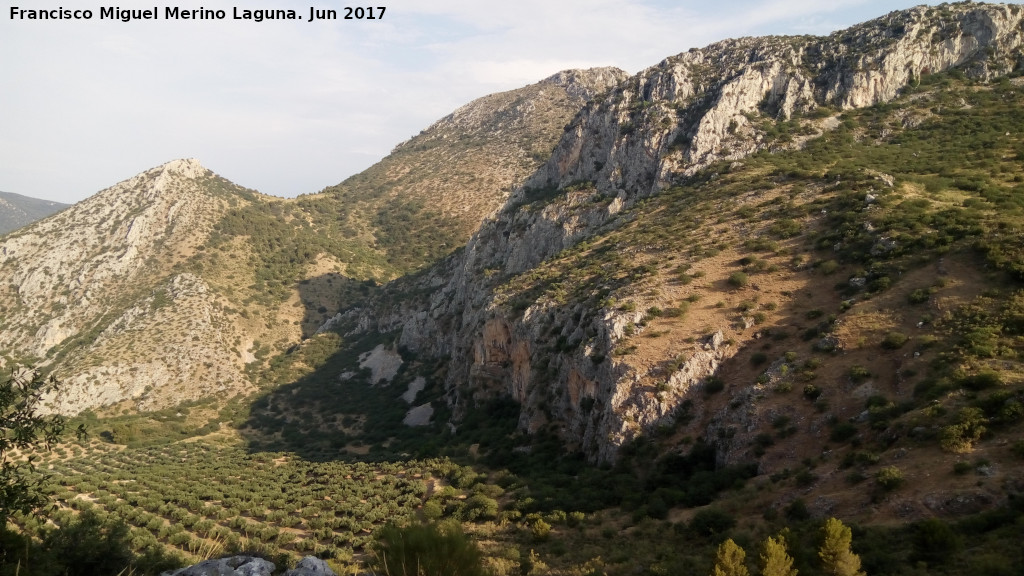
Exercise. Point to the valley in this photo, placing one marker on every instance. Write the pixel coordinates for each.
(757, 286)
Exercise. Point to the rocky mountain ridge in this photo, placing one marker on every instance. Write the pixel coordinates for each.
(430, 194)
(176, 285)
(99, 280)
(660, 127)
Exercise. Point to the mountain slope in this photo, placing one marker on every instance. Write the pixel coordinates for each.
(764, 283)
(176, 284)
(431, 193)
(17, 210)
(555, 330)
(98, 291)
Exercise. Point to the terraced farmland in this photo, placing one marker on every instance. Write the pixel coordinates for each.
(202, 500)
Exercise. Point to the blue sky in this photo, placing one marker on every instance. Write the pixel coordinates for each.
(289, 108)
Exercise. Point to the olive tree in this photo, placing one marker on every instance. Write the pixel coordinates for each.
(24, 429)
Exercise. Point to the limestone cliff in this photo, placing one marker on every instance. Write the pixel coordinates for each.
(432, 192)
(662, 126)
(99, 291)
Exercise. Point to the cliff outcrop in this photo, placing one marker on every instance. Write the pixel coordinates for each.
(661, 127)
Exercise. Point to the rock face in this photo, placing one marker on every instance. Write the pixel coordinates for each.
(658, 127)
(95, 290)
(459, 170)
(695, 108)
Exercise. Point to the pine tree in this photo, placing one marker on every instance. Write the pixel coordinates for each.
(836, 557)
(775, 561)
(729, 560)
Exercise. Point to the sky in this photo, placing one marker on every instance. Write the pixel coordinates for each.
(291, 107)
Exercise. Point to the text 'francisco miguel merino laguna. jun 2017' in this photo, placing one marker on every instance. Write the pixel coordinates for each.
(179, 13)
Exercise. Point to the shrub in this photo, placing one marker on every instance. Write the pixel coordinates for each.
(859, 374)
(676, 311)
(797, 511)
(894, 340)
(738, 279)
(828, 267)
(713, 385)
(919, 296)
(1018, 449)
(432, 510)
(541, 530)
(961, 467)
(90, 544)
(805, 478)
(843, 432)
(711, 521)
(934, 541)
(982, 380)
(960, 437)
(785, 228)
(425, 549)
(479, 507)
(889, 478)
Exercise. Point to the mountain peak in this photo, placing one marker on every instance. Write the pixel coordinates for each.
(187, 167)
(585, 84)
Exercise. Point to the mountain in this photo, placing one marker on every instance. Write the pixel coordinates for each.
(100, 291)
(755, 286)
(17, 210)
(431, 193)
(177, 285)
(543, 304)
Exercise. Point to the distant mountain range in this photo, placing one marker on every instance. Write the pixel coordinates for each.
(17, 210)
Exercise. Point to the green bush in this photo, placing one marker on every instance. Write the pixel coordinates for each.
(828, 267)
(889, 478)
(919, 296)
(479, 507)
(934, 542)
(739, 279)
(982, 380)
(711, 521)
(961, 436)
(843, 432)
(432, 510)
(90, 545)
(713, 385)
(894, 340)
(540, 530)
(425, 549)
(1018, 449)
(859, 374)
